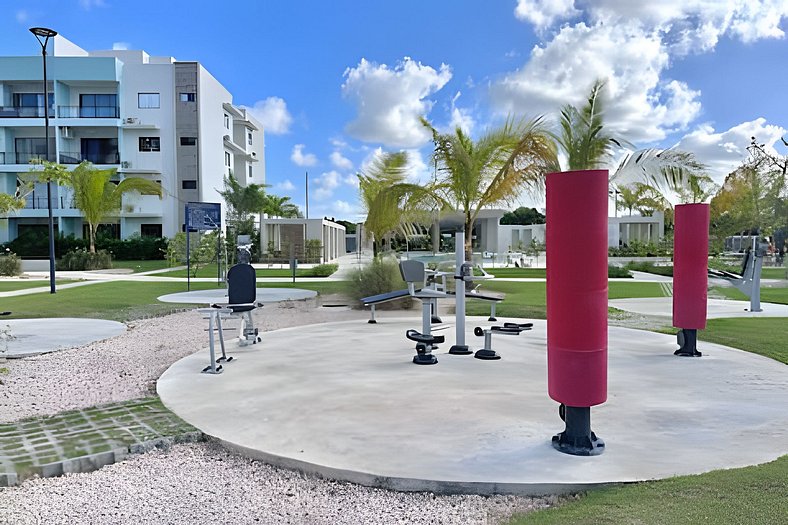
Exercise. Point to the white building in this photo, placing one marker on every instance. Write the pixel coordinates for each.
(279, 236)
(150, 117)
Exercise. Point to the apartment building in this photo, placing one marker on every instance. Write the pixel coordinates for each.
(146, 116)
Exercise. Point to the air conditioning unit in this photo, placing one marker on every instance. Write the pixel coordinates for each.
(227, 138)
(66, 132)
(131, 120)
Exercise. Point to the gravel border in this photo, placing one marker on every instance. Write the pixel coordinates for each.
(196, 483)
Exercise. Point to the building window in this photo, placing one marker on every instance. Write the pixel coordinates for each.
(227, 121)
(97, 151)
(188, 97)
(150, 230)
(250, 172)
(227, 159)
(189, 185)
(31, 104)
(98, 106)
(150, 144)
(188, 141)
(148, 100)
(249, 137)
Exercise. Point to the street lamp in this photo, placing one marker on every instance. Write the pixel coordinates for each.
(43, 35)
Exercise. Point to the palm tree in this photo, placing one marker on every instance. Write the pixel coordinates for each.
(383, 216)
(628, 199)
(242, 202)
(95, 194)
(276, 206)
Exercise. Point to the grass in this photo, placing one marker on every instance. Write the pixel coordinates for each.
(120, 300)
(774, 273)
(768, 295)
(752, 495)
(9, 286)
(142, 266)
(520, 273)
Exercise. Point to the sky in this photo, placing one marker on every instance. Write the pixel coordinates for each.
(337, 82)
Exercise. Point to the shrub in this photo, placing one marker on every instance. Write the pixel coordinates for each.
(324, 270)
(84, 260)
(641, 249)
(617, 271)
(10, 264)
(33, 243)
(381, 276)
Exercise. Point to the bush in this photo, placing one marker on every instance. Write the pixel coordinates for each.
(10, 264)
(324, 270)
(33, 243)
(85, 260)
(617, 271)
(381, 276)
(641, 249)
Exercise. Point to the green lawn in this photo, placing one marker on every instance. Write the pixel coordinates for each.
(768, 295)
(522, 273)
(9, 286)
(120, 300)
(774, 273)
(752, 495)
(141, 266)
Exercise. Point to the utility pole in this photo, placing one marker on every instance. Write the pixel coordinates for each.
(306, 186)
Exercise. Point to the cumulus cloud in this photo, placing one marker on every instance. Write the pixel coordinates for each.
(389, 101)
(724, 151)
(273, 114)
(646, 108)
(21, 16)
(460, 117)
(544, 13)
(300, 158)
(340, 162)
(120, 46)
(325, 184)
(285, 185)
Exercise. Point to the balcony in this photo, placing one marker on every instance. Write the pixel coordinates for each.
(38, 201)
(25, 111)
(75, 157)
(12, 157)
(88, 112)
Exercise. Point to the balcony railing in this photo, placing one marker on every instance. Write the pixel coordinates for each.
(75, 157)
(88, 111)
(12, 157)
(25, 111)
(37, 202)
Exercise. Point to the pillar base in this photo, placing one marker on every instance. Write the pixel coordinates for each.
(486, 354)
(460, 350)
(577, 439)
(687, 339)
(425, 359)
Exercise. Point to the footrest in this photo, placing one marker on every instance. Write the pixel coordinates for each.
(417, 336)
(506, 330)
(521, 326)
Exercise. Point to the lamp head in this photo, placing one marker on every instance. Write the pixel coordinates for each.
(43, 32)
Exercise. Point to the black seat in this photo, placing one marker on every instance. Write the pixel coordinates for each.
(241, 288)
(417, 336)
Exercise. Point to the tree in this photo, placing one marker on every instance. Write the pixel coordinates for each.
(95, 194)
(383, 217)
(242, 202)
(10, 203)
(523, 216)
(276, 206)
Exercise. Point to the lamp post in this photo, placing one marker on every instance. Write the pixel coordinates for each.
(43, 35)
(615, 194)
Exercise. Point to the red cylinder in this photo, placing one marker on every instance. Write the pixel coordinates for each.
(576, 240)
(690, 265)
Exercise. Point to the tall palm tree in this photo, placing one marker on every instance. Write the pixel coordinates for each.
(383, 216)
(242, 200)
(95, 194)
(276, 206)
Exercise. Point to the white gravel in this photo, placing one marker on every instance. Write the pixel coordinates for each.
(195, 483)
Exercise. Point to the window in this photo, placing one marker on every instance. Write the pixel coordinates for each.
(35, 148)
(189, 185)
(250, 172)
(97, 151)
(227, 121)
(98, 106)
(227, 159)
(150, 144)
(249, 137)
(188, 97)
(150, 230)
(32, 104)
(148, 100)
(188, 141)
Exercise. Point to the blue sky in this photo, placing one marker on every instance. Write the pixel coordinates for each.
(336, 82)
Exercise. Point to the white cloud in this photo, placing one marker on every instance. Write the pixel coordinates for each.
(273, 114)
(22, 16)
(644, 107)
(389, 101)
(351, 179)
(325, 184)
(725, 151)
(119, 46)
(340, 162)
(300, 158)
(460, 117)
(285, 185)
(87, 5)
(544, 13)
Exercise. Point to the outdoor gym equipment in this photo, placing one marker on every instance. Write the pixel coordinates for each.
(428, 280)
(690, 275)
(424, 346)
(414, 272)
(487, 352)
(242, 295)
(577, 303)
(214, 315)
(749, 282)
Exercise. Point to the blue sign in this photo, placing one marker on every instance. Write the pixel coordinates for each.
(201, 216)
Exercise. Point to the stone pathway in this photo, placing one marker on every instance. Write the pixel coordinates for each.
(85, 440)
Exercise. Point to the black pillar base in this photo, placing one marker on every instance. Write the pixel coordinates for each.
(372, 321)
(688, 343)
(577, 439)
(425, 359)
(436, 320)
(486, 354)
(460, 350)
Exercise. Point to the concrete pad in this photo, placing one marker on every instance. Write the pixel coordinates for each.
(716, 308)
(343, 400)
(219, 295)
(40, 336)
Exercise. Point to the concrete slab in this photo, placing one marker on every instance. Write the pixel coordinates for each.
(716, 308)
(343, 400)
(219, 295)
(41, 336)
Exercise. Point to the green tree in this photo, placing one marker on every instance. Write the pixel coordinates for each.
(383, 215)
(242, 203)
(523, 216)
(95, 194)
(276, 206)
(10, 203)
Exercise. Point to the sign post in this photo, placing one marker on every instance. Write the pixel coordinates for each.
(200, 216)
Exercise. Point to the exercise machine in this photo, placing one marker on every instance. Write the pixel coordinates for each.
(487, 353)
(749, 282)
(242, 301)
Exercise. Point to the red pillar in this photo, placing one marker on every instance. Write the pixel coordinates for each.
(690, 265)
(576, 237)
